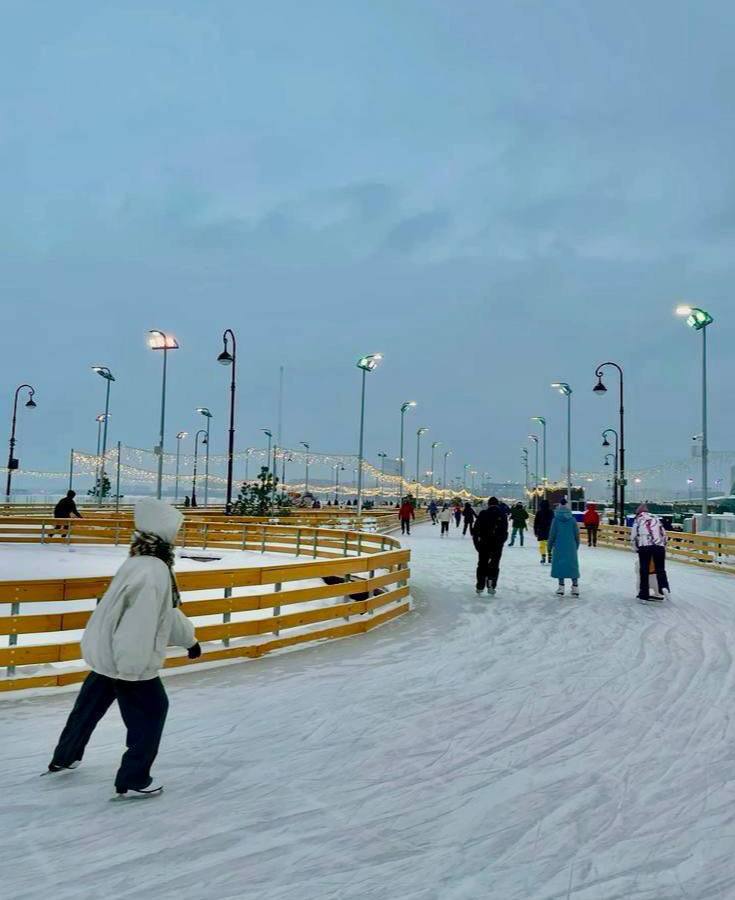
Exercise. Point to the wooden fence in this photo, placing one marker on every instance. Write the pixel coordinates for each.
(242, 612)
(707, 551)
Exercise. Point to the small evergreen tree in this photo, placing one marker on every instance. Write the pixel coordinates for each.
(106, 487)
(260, 497)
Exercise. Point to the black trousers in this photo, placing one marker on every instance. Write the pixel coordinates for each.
(467, 524)
(445, 527)
(143, 707)
(592, 535)
(488, 564)
(658, 555)
(405, 526)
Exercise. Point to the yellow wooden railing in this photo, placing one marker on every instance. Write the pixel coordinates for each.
(370, 586)
(708, 551)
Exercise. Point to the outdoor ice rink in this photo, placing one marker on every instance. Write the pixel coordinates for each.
(519, 748)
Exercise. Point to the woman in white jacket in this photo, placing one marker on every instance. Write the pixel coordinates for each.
(124, 644)
(649, 538)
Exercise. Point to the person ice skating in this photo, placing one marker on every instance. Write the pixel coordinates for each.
(564, 546)
(648, 537)
(469, 515)
(489, 535)
(541, 528)
(66, 508)
(457, 514)
(433, 510)
(124, 644)
(445, 517)
(406, 512)
(518, 518)
(591, 522)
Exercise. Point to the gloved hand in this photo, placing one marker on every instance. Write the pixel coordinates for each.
(194, 652)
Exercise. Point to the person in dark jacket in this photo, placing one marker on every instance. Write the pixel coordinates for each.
(66, 508)
(518, 517)
(469, 516)
(489, 535)
(542, 527)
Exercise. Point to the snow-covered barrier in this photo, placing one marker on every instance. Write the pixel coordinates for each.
(238, 612)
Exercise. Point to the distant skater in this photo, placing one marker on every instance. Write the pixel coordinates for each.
(445, 517)
(406, 512)
(564, 545)
(469, 515)
(66, 508)
(591, 522)
(541, 528)
(433, 509)
(489, 536)
(648, 537)
(518, 518)
(457, 515)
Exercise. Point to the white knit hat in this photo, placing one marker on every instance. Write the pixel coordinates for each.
(159, 518)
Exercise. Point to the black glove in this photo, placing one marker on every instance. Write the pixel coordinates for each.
(194, 652)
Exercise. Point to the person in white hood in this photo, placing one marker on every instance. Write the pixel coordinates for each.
(124, 644)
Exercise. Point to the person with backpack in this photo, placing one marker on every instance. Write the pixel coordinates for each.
(445, 517)
(564, 545)
(469, 515)
(591, 522)
(648, 537)
(541, 528)
(489, 535)
(518, 518)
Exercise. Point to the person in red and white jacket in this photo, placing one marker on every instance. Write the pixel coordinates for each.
(648, 537)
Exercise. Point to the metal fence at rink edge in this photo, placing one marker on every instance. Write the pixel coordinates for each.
(238, 612)
(709, 551)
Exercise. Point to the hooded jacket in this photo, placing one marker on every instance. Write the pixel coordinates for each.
(647, 531)
(491, 529)
(591, 516)
(519, 517)
(406, 511)
(542, 521)
(136, 620)
(563, 544)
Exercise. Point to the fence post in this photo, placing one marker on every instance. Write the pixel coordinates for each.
(226, 616)
(205, 532)
(298, 542)
(277, 609)
(262, 534)
(244, 537)
(344, 549)
(371, 575)
(315, 542)
(359, 543)
(43, 532)
(13, 638)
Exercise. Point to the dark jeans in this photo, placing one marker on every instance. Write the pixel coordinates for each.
(445, 527)
(467, 524)
(488, 564)
(143, 707)
(405, 526)
(592, 535)
(658, 555)
(519, 532)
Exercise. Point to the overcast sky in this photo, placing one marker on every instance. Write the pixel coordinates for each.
(495, 195)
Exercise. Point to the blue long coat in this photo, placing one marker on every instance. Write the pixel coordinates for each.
(563, 544)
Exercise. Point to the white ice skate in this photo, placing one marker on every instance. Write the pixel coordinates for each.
(575, 591)
(491, 590)
(560, 590)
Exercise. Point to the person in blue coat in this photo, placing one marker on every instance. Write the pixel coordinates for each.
(563, 547)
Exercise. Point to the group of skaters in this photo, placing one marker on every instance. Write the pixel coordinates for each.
(558, 535)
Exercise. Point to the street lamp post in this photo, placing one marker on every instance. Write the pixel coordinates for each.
(307, 445)
(381, 456)
(203, 432)
(404, 406)
(615, 479)
(419, 432)
(690, 482)
(542, 422)
(230, 359)
(159, 340)
(524, 461)
(99, 470)
(434, 445)
(600, 389)
(465, 467)
(366, 364)
(564, 389)
(337, 469)
(12, 461)
(534, 438)
(202, 410)
(269, 435)
(248, 451)
(179, 438)
(447, 454)
(699, 319)
(105, 373)
(618, 514)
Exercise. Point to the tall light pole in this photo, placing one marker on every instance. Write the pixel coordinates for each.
(447, 454)
(100, 420)
(269, 435)
(564, 389)
(307, 445)
(203, 411)
(337, 469)
(419, 432)
(699, 319)
(619, 520)
(230, 359)
(615, 480)
(465, 468)
(600, 389)
(365, 364)
(381, 456)
(524, 462)
(203, 432)
(434, 445)
(12, 461)
(179, 438)
(159, 340)
(534, 438)
(105, 373)
(404, 407)
(542, 422)
(248, 451)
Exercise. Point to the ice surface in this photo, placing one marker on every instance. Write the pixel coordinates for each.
(519, 748)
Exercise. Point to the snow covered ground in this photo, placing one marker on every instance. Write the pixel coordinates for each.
(520, 748)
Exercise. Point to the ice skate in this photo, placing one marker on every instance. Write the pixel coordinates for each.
(560, 590)
(575, 591)
(154, 790)
(53, 769)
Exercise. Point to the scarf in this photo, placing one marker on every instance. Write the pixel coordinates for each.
(146, 544)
